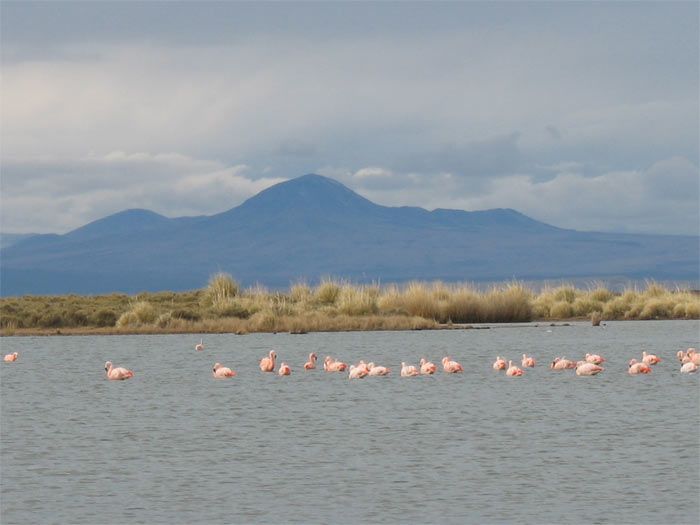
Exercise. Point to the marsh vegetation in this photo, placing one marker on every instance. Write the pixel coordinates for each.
(223, 306)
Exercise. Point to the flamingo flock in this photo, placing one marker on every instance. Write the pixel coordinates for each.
(590, 365)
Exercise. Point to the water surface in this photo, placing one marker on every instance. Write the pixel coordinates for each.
(174, 445)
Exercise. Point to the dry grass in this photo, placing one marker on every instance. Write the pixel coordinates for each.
(334, 305)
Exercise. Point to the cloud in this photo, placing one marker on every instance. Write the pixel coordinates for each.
(452, 106)
(54, 195)
(660, 199)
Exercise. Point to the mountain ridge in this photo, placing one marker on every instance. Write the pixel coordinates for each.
(313, 226)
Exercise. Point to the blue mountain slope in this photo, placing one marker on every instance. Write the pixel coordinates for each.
(314, 226)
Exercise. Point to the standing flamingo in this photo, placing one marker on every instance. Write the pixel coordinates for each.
(426, 367)
(450, 366)
(561, 363)
(408, 370)
(357, 372)
(267, 364)
(117, 373)
(221, 372)
(285, 370)
(311, 363)
(528, 361)
(595, 359)
(199, 346)
(584, 368)
(499, 363)
(9, 358)
(650, 359)
(513, 370)
(638, 368)
(331, 365)
(375, 370)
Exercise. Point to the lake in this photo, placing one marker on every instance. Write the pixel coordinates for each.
(173, 445)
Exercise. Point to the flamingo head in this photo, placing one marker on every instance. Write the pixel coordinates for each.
(370, 366)
(216, 365)
(108, 365)
(312, 356)
(445, 359)
(273, 354)
(632, 362)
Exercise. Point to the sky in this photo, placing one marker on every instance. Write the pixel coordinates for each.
(581, 115)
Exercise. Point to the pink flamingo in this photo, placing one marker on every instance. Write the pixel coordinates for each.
(682, 356)
(285, 370)
(513, 370)
(9, 358)
(584, 368)
(331, 365)
(638, 368)
(650, 359)
(199, 346)
(267, 364)
(595, 359)
(311, 363)
(689, 368)
(500, 363)
(426, 367)
(118, 373)
(528, 361)
(408, 370)
(357, 372)
(375, 370)
(693, 356)
(561, 363)
(450, 366)
(221, 372)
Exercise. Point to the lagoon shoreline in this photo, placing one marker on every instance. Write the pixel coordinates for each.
(336, 306)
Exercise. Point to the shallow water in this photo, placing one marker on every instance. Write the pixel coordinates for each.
(173, 445)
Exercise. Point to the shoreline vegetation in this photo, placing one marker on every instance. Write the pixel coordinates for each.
(223, 307)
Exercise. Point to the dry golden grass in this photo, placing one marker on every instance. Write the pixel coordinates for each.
(333, 305)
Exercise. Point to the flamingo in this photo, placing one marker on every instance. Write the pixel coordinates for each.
(528, 361)
(693, 356)
(682, 356)
(650, 359)
(357, 372)
(638, 368)
(331, 365)
(221, 372)
(408, 370)
(513, 370)
(689, 368)
(284, 370)
(267, 364)
(499, 363)
(426, 367)
(584, 368)
(311, 363)
(117, 373)
(561, 363)
(595, 359)
(375, 370)
(450, 366)
(9, 358)
(199, 346)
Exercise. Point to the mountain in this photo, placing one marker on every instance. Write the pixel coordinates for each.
(8, 239)
(313, 226)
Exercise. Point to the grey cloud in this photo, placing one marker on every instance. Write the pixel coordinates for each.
(429, 94)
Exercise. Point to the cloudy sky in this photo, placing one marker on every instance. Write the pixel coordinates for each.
(581, 115)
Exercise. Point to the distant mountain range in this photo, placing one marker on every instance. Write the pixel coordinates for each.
(313, 226)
